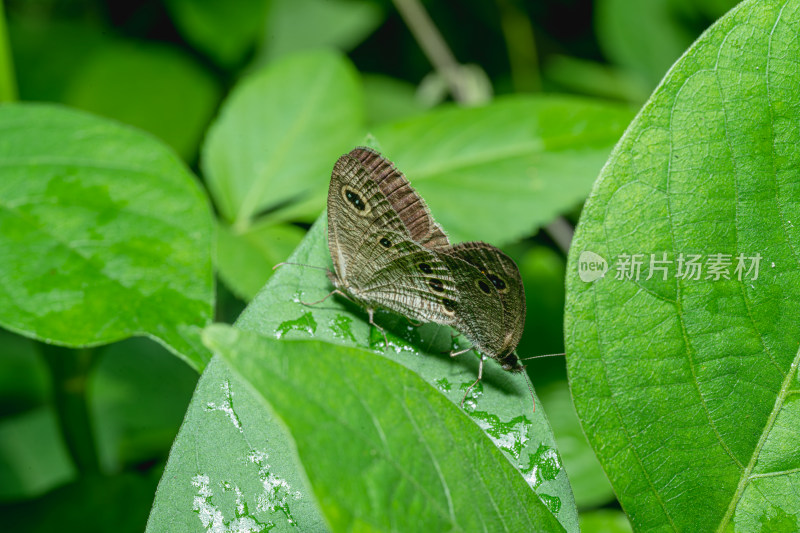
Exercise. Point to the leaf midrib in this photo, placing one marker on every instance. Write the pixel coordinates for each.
(785, 390)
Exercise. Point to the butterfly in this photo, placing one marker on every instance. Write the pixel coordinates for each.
(388, 252)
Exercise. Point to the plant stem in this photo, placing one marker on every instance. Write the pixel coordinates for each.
(433, 45)
(561, 232)
(8, 85)
(70, 373)
(521, 46)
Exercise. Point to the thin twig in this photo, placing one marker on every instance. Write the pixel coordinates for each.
(561, 231)
(433, 45)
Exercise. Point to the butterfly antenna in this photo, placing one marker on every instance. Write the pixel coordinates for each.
(299, 264)
(544, 355)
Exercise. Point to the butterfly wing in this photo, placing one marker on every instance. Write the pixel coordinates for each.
(478, 308)
(405, 277)
(410, 207)
(389, 252)
(356, 206)
(504, 276)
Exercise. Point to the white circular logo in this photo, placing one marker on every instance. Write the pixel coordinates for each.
(591, 266)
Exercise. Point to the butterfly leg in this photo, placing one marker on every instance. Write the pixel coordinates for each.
(465, 350)
(453, 337)
(372, 322)
(480, 376)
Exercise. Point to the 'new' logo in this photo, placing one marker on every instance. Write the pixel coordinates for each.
(591, 266)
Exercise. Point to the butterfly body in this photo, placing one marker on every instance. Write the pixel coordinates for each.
(389, 253)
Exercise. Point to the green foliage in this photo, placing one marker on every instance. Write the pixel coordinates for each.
(645, 38)
(687, 388)
(34, 456)
(153, 87)
(257, 162)
(589, 483)
(224, 30)
(547, 150)
(137, 397)
(261, 173)
(387, 415)
(502, 406)
(308, 420)
(105, 233)
(245, 257)
(256, 157)
(605, 521)
(299, 25)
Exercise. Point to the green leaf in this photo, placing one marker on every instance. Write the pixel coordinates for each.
(582, 76)
(501, 405)
(298, 25)
(245, 259)
(645, 37)
(278, 135)
(389, 99)
(223, 30)
(153, 87)
(498, 172)
(137, 395)
(386, 414)
(233, 465)
(33, 456)
(105, 234)
(688, 388)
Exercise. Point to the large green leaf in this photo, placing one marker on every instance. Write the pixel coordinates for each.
(232, 466)
(498, 172)
(688, 388)
(104, 233)
(224, 407)
(278, 134)
(405, 443)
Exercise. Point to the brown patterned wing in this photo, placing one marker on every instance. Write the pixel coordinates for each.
(399, 274)
(410, 207)
(356, 206)
(478, 312)
(504, 275)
